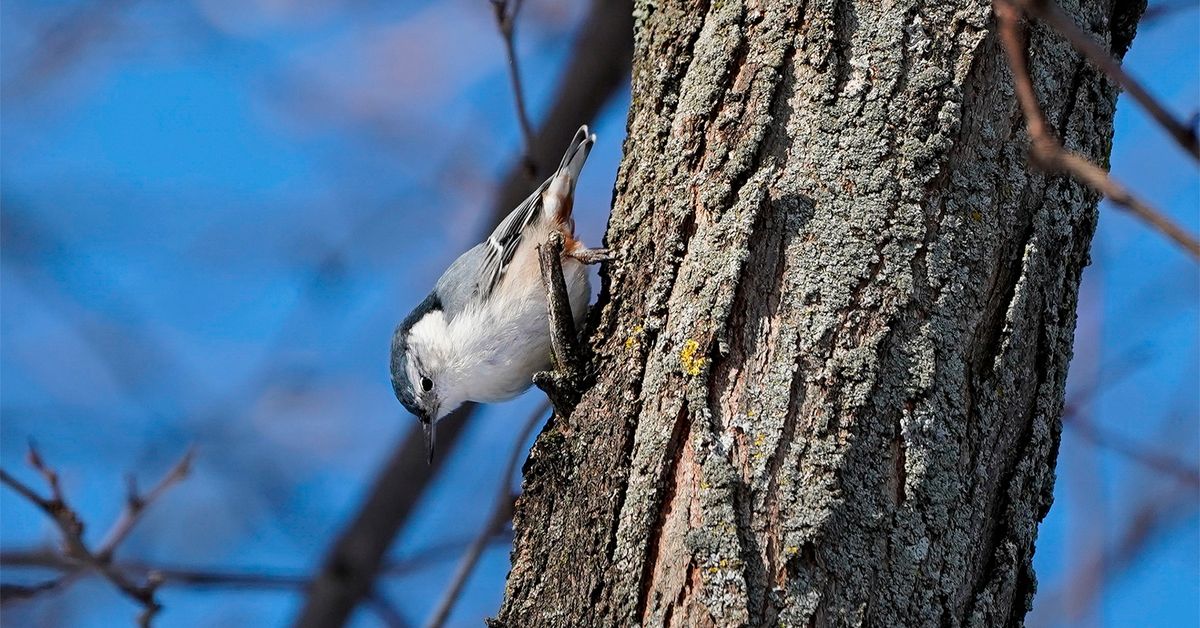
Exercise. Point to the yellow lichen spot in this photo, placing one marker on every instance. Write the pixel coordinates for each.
(634, 338)
(750, 413)
(759, 440)
(713, 570)
(692, 365)
(791, 550)
(703, 485)
(977, 215)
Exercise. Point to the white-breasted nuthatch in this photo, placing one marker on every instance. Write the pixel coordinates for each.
(484, 330)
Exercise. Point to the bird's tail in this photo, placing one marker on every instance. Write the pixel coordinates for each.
(576, 155)
(559, 192)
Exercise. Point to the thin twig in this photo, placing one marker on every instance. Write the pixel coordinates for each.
(506, 17)
(174, 577)
(12, 592)
(1046, 152)
(1149, 522)
(24, 491)
(1075, 418)
(223, 578)
(501, 512)
(1130, 362)
(386, 611)
(218, 577)
(1051, 14)
(64, 42)
(136, 504)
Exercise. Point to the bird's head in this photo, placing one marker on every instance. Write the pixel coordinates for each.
(420, 365)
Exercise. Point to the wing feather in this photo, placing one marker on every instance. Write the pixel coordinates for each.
(503, 243)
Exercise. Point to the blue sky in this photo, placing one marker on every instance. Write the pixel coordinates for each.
(216, 212)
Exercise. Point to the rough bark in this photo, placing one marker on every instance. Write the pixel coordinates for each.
(831, 353)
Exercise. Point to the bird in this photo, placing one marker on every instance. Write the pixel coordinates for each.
(483, 331)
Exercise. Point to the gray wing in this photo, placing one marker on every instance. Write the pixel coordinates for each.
(502, 244)
(460, 283)
(475, 273)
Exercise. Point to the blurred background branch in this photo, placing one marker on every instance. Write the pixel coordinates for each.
(501, 513)
(506, 20)
(1053, 16)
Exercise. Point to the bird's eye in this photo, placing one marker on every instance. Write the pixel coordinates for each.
(426, 384)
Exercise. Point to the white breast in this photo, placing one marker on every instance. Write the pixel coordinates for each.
(502, 342)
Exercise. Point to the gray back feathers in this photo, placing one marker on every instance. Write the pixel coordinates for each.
(477, 272)
(463, 280)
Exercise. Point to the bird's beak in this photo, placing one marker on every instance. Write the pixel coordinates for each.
(430, 428)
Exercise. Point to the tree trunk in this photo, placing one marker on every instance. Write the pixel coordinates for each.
(831, 351)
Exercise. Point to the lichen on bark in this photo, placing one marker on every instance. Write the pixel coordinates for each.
(830, 356)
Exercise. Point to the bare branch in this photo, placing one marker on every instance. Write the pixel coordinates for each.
(1095, 177)
(1047, 153)
(1051, 14)
(501, 512)
(169, 576)
(385, 611)
(218, 577)
(353, 562)
(23, 490)
(1154, 460)
(1146, 524)
(55, 507)
(13, 592)
(598, 68)
(178, 577)
(63, 43)
(506, 17)
(77, 557)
